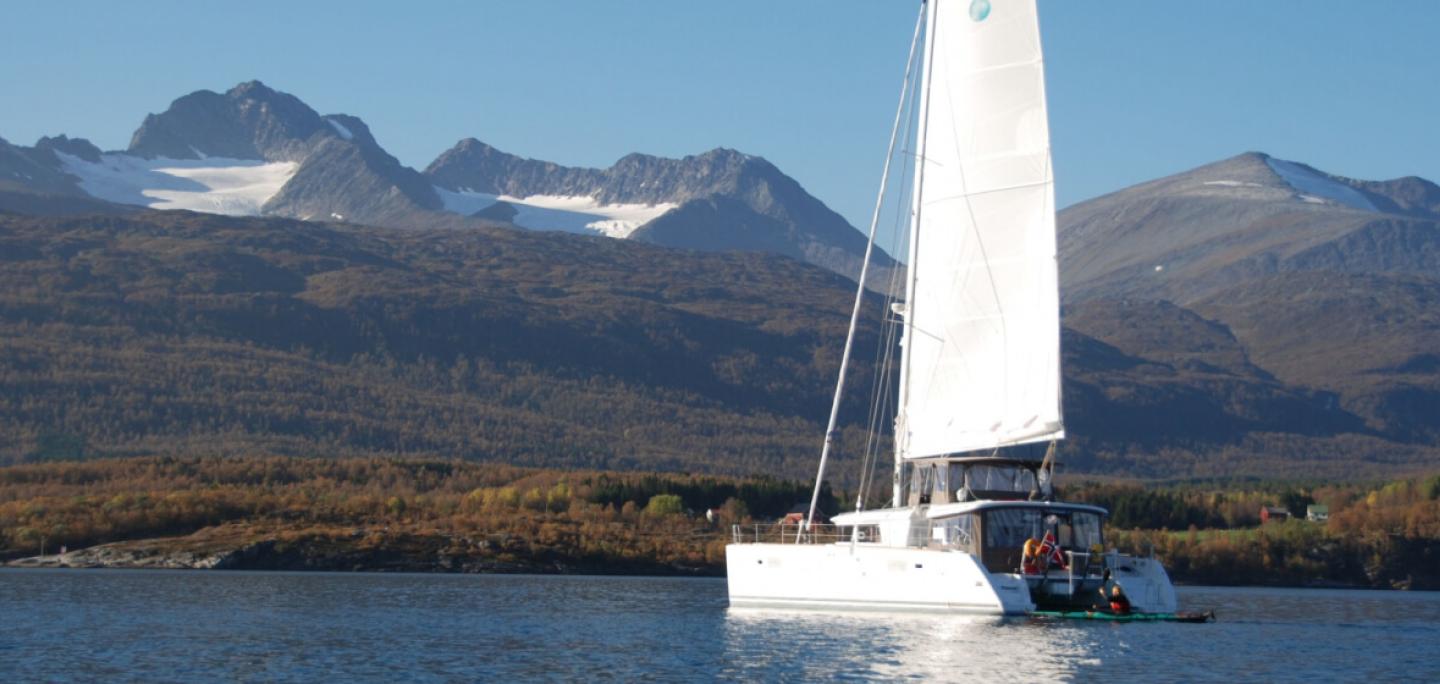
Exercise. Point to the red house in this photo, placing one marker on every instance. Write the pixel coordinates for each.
(1273, 514)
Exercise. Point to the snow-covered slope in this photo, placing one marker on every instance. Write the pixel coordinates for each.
(1318, 188)
(213, 185)
(557, 212)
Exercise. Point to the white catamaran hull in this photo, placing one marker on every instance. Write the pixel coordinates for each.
(846, 576)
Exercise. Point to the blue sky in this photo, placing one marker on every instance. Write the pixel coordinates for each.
(1138, 88)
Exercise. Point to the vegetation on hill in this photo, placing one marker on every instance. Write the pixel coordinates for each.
(381, 513)
(1377, 535)
(178, 333)
(156, 333)
(448, 515)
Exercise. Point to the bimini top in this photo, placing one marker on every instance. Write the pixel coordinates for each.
(1027, 463)
(953, 509)
(881, 515)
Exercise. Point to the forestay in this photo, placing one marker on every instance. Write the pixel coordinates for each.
(981, 364)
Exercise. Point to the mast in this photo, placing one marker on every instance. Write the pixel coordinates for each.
(907, 313)
(830, 430)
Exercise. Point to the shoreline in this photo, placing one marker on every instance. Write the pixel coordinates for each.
(236, 548)
(264, 556)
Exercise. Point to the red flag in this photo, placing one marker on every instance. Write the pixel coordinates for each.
(1050, 551)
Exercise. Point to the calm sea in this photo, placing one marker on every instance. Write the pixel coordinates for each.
(113, 625)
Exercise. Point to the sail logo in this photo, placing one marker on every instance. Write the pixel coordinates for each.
(979, 9)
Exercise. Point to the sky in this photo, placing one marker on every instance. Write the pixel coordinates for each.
(1137, 88)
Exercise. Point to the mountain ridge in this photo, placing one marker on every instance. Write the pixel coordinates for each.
(254, 150)
(1320, 280)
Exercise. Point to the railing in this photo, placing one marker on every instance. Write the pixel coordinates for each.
(788, 533)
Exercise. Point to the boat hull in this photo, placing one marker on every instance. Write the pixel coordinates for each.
(846, 576)
(1146, 583)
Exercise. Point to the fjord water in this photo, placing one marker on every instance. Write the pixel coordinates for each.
(110, 625)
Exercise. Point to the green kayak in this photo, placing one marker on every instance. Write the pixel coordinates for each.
(1126, 617)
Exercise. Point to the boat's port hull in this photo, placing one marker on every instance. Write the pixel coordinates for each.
(1146, 583)
(847, 576)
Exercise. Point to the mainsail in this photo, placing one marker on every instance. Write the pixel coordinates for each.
(981, 362)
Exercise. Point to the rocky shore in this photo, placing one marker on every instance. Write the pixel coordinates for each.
(237, 547)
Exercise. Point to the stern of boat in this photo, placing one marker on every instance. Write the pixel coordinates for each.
(1146, 583)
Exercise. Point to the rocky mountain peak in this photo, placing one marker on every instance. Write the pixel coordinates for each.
(250, 121)
(75, 147)
(252, 89)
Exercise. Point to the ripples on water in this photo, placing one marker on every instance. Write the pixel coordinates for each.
(183, 626)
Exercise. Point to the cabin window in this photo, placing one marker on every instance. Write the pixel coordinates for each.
(1010, 527)
(1007, 529)
(957, 532)
(991, 482)
(1080, 531)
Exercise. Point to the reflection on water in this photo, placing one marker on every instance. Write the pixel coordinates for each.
(1278, 635)
(892, 646)
(70, 625)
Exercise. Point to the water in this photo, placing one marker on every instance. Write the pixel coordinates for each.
(113, 625)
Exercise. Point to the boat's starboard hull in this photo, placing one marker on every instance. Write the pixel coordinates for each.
(867, 577)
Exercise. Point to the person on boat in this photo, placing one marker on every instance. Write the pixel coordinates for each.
(1119, 602)
(1112, 595)
(1030, 558)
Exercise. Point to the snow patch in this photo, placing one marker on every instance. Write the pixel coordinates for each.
(1315, 188)
(574, 214)
(1234, 184)
(213, 185)
(341, 130)
(198, 153)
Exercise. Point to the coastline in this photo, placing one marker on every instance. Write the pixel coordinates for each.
(234, 549)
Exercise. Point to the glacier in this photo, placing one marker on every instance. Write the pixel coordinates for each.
(573, 214)
(213, 185)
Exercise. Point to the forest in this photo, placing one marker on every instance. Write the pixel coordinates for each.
(172, 333)
(1379, 534)
(453, 515)
(389, 513)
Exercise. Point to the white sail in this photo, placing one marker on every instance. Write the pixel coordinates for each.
(981, 363)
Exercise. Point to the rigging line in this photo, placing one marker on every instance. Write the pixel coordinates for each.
(1050, 211)
(882, 397)
(879, 403)
(902, 401)
(883, 379)
(860, 287)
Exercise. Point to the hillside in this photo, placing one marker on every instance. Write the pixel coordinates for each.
(172, 332)
(191, 334)
(1274, 279)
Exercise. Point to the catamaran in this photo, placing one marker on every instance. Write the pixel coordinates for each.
(973, 525)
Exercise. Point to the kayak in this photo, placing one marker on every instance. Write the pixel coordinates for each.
(1126, 617)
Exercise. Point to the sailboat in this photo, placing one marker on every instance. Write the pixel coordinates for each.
(973, 525)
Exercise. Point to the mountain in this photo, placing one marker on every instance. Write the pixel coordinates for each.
(249, 151)
(1253, 317)
(256, 151)
(326, 167)
(184, 333)
(250, 121)
(1285, 277)
(719, 200)
(1196, 233)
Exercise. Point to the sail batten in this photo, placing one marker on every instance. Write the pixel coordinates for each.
(981, 358)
